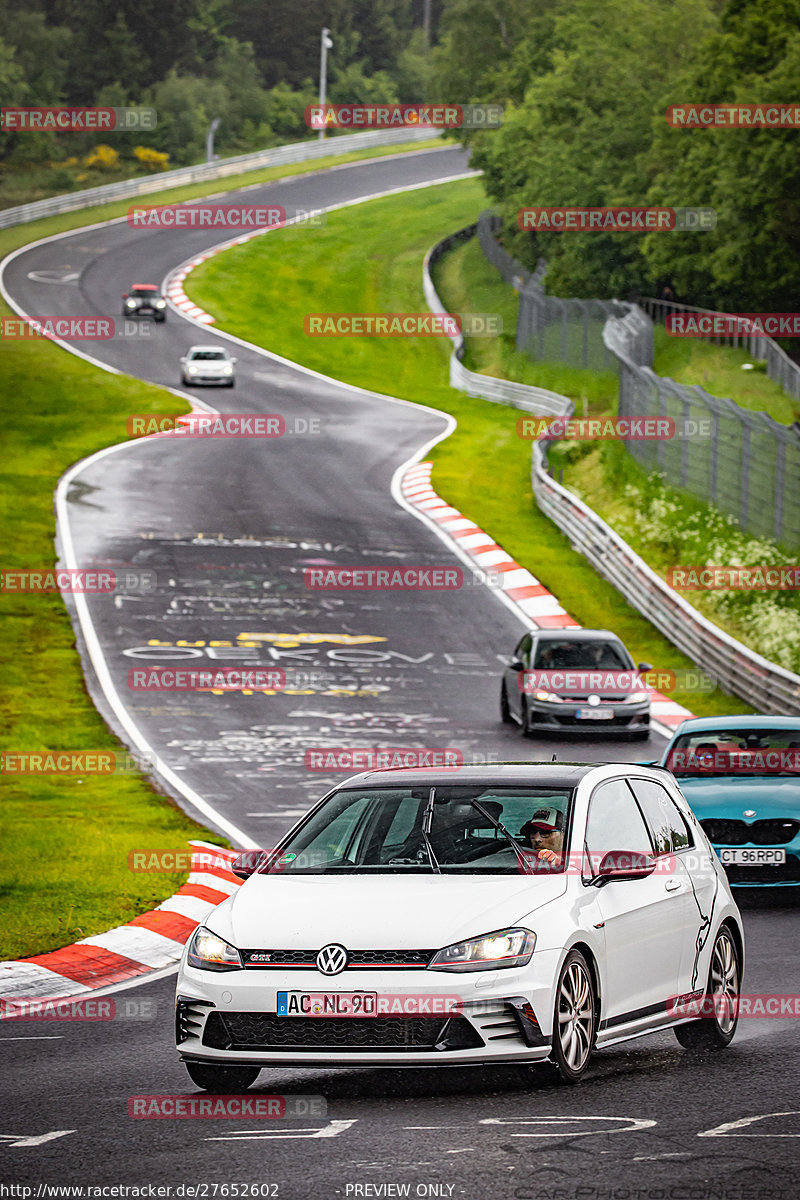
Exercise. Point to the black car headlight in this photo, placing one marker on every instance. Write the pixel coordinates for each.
(212, 953)
(503, 948)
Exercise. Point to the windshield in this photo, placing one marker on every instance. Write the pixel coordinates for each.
(149, 292)
(207, 355)
(401, 830)
(743, 751)
(570, 655)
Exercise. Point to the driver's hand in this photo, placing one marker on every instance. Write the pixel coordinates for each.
(547, 856)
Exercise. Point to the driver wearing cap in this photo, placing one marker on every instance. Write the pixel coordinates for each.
(545, 832)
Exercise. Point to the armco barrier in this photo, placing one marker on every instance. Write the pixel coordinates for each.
(275, 157)
(530, 399)
(768, 687)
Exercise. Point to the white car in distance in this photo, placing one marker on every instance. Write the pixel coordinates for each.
(209, 365)
(512, 913)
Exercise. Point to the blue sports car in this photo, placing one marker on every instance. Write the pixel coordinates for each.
(741, 776)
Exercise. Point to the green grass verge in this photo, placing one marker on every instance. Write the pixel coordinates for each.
(718, 370)
(66, 840)
(368, 260)
(472, 285)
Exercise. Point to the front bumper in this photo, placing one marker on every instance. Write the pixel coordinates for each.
(545, 716)
(210, 380)
(230, 1017)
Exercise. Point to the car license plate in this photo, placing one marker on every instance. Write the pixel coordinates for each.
(753, 858)
(327, 1004)
(594, 714)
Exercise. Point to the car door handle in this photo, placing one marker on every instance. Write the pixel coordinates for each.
(673, 885)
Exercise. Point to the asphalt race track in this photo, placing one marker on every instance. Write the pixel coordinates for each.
(227, 527)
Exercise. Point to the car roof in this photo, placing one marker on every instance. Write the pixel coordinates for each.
(575, 635)
(505, 774)
(145, 287)
(759, 721)
(192, 349)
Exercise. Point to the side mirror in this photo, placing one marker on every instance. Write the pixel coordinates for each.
(248, 862)
(516, 665)
(644, 667)
(233, 360)
(124, 295)
(623, 864)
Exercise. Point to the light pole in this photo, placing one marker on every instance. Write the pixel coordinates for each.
(325, 44)
(212, 129)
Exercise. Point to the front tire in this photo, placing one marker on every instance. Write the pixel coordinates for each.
(715, 1032)
(574, 1020)
(222, 1081)
(186, 382)
(505, 711)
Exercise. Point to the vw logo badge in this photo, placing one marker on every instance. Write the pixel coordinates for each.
(594, 701)
(332, 959)
(749, 812)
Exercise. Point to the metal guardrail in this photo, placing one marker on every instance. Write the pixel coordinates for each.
(146, 184)
(740, 461)
(780, 368)
(770, 688)
(538, 401)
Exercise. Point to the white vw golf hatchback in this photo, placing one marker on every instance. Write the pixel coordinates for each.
(512, 913)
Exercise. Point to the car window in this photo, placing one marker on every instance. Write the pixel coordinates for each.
(572, 655)
(666, 822)
(381, 831)
(614, 823)
(743, 750)
(523, 647)
(207, 355)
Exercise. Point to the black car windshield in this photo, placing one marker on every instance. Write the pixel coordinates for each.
(149, 293)
(571, 655)
(402, 830)
(206, 355)
(741, 751)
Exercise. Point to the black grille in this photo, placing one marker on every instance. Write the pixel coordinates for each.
(264, 1031)
(788, 872)
(757, 833)
(363, 959)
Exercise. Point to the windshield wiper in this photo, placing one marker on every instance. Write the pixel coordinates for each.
(515, 846)
(427, 822)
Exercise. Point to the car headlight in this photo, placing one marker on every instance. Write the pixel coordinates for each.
(504, 948)
(211, 953)
(227, 369)
(192, 369)
(549, 696)
(130, 304)
(635, 697)
(161, 304)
